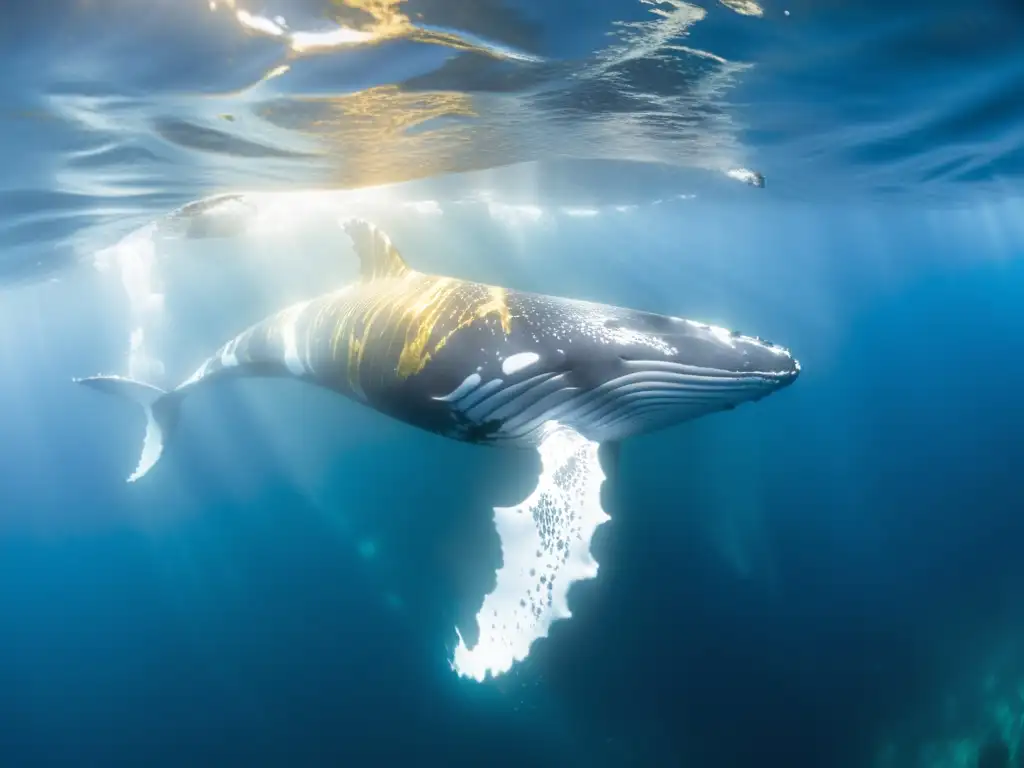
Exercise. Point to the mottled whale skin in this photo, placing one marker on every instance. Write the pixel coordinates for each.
(484, 364)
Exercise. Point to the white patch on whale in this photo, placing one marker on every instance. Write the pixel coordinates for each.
(545, 546)
(195, 377)
(228, 358)
(468, 385)
(606, 329)
(723, 335)
(730, 337)
(516, 363)
(291, 345)
(468, 401)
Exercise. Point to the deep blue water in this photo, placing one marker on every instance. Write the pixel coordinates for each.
(829, 578)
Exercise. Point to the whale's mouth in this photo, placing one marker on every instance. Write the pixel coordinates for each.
(785, 378)
(659, 384)
(680, 370)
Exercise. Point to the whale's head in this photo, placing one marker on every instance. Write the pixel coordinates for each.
(606, 372)
(656, 370)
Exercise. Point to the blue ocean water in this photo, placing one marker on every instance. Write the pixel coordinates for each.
(828, 578)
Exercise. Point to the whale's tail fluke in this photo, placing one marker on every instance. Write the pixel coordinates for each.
(161, 409)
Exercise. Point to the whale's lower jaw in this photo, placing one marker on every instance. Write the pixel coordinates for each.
(642, 396)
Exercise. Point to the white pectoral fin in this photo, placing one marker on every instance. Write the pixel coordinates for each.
(545, 544)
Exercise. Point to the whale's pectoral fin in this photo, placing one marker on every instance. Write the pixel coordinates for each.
(159, 407)
(378, 257)
(610, 459)
(545, 544)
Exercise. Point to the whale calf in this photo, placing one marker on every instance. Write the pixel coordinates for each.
(494, 366)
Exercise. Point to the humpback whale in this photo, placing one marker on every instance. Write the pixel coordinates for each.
(500, 367)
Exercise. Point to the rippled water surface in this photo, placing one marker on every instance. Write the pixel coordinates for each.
(117, 111)
(829, 579)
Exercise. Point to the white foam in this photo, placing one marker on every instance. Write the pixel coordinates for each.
(545, 544)
(259, 23)
(425, 207)
(514, 216)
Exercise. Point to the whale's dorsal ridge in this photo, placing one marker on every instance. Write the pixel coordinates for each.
(378, 257)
